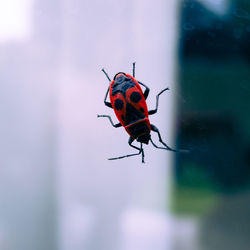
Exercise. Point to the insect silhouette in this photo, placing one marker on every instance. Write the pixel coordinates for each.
(129, 104)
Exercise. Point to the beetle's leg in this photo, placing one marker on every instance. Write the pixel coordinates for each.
(151, 112)
(141, 151)
(133, 69)
(146, 92)
(108, 104)
(108, 116)
(155, 129)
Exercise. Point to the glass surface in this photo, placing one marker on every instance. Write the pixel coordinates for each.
(57, 188)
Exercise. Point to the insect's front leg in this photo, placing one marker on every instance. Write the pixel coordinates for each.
(108, 104)
(146, 92)
(153, 111)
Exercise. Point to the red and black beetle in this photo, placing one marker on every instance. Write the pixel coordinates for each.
(129, 104)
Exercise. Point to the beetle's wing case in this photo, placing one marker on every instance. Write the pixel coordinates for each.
(129, 103)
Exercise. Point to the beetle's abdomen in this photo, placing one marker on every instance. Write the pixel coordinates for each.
(139, 129)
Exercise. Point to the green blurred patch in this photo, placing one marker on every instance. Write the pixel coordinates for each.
(194, 192)
(193, 201)
(219, 88)
(211, 88)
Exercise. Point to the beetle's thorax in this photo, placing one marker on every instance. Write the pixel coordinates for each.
(121, 84)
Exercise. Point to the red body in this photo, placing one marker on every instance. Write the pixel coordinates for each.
(130, 107)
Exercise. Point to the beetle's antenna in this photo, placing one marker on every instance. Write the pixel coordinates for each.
(106, 74)
(133, 69)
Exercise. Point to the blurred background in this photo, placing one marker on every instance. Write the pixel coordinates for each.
(58, 191)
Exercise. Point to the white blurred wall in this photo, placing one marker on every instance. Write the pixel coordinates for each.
(28, 133)
(114, 204)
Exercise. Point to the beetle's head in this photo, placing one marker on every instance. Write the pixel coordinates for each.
(120, 78)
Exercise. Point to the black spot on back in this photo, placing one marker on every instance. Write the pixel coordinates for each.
(132, 114)
(142, 109)
(135, 97)
(119, 104)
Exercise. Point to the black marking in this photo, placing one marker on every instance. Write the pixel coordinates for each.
(123, 118)
(142, 109)
(135, 97)
(122, 87)
(133, 114)
(119, 104)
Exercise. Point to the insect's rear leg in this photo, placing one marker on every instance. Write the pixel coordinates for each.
(141, 151)
(110, 119)
(146, 92)
(155, 129)
(153, 111)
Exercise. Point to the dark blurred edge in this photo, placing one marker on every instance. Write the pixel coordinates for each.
(213, 180)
